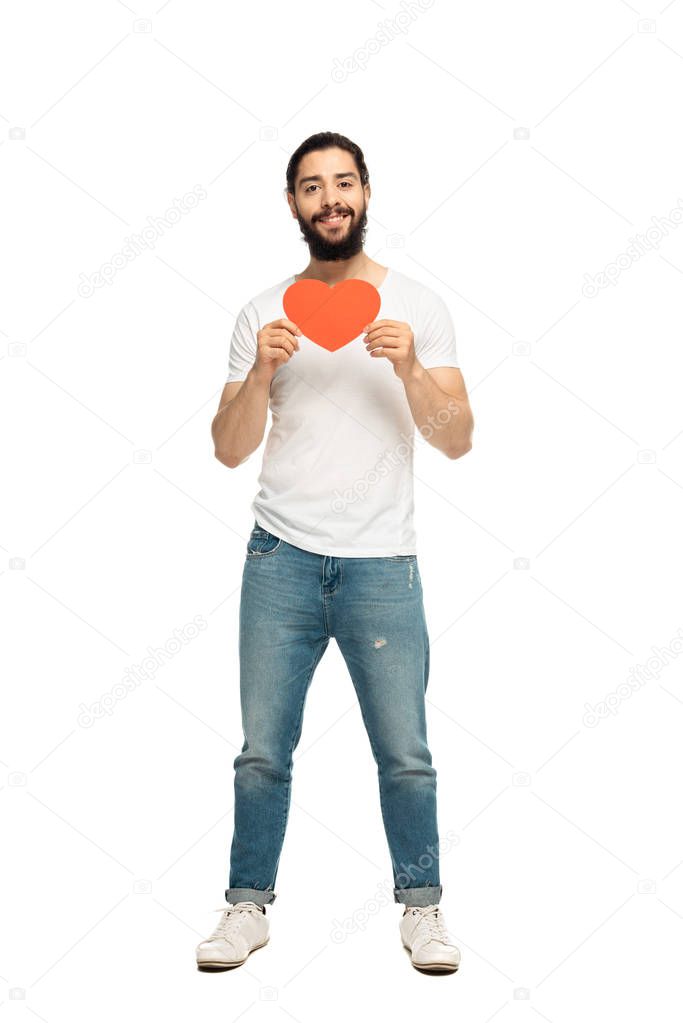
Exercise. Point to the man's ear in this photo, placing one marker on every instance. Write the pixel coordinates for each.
(290, 202)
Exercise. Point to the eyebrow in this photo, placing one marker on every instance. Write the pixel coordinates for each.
(317, 177)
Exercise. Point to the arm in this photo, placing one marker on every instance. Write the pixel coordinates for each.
(440, 408)
(437, 397)
(238, 426)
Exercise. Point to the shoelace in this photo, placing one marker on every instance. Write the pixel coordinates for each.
(433, 921)
(231, 918)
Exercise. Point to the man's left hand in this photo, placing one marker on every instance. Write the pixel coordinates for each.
(395, 341)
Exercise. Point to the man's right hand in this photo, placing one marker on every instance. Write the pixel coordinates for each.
(277, 342)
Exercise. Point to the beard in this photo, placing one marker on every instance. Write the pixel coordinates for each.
(325, 247)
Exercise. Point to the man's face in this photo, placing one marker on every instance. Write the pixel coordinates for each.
(330, 204)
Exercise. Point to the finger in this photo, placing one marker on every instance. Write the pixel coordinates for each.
(383, 342)
(383, 331)
(287, 335)
(288, 324)
(276, 336)
(284, 345)
(379, 323)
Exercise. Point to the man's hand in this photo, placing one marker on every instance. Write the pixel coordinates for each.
(277, 342)
(395, 341)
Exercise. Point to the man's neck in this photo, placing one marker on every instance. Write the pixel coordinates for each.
(360, 267)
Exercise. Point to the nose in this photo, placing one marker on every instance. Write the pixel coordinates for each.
(331, 204)
(330, 199)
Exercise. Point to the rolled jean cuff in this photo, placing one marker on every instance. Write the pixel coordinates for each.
(258, 895)
(429, 896)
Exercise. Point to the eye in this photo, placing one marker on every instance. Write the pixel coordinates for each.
(349, 184)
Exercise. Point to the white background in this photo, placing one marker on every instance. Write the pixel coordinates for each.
(513, 149)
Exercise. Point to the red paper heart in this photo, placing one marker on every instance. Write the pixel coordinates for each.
(331, 316)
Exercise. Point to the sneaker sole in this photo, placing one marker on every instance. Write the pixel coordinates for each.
(437, 968)
(432, 967)
(219, 965)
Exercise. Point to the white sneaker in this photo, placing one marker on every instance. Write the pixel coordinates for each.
(423, 931)
(242, 928)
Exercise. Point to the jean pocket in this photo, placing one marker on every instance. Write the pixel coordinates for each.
(403, 557)
(261, 543)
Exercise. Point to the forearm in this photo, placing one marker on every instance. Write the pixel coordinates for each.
(238, 428)
(445, 422)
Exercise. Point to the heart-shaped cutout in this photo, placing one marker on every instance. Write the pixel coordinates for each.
(331, 316)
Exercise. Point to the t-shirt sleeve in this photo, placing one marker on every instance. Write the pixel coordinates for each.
(243, 345)
(435, 335)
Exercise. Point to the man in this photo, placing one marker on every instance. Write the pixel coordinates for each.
(332, 552)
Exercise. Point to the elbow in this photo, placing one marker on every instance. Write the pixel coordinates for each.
(466, 443)
(228, 460)
(460, 451)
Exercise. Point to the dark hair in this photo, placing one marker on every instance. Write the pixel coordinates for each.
(326, 140)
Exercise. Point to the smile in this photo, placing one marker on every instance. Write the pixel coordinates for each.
(333, 221)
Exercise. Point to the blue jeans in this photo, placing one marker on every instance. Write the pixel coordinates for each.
(292, 602)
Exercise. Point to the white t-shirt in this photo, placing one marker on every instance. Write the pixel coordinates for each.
(337, 467)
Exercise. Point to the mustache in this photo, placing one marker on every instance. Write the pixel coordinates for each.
(333, 213)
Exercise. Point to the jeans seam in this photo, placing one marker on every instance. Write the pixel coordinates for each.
(314, 665)
(323, 597)
(385, 817)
